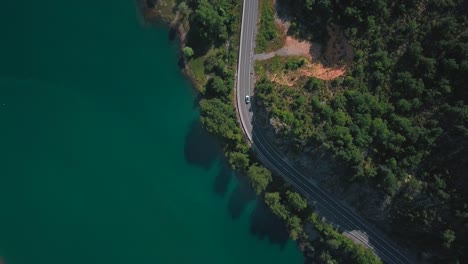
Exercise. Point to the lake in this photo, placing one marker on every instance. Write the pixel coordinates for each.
(102, 157)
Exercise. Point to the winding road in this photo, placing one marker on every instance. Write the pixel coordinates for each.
(332, 209)
(245, 70)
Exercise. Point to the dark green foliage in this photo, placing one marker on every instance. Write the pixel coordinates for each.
(188, 52)
(448, 236)
(212, 22)
(183, 8)
(238, 160)
(266, 29)
(294, 226)
(259, 177)
(209, 23)
(314, 84)
(296, 201)
(399, 119)
(219, 119)
(293, 222)
(273, 200)
(217, 63)
(294, 64)
(217, 88)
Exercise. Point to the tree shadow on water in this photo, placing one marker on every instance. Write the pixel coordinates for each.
(264, 224)
(240, 197)
(172, 34)
(201, 149)
(222, 180)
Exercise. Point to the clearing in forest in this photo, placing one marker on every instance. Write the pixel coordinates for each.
(325, 63)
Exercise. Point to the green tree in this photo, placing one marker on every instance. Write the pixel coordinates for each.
(296, 201)
(390, 183)
(188, 52)
(314, 84)
(295, 227)
(217, 87)
(448, 236)
(209, 24)
(267, 29)
(273, 200)
(259, 177)
(326, 258)
(238, 160)
(219, 118)
(183, 8)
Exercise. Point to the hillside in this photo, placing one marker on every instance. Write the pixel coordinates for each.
(397, 119)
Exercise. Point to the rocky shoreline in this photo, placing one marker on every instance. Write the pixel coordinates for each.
(154, 16)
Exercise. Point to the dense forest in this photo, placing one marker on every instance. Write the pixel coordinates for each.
(398, 119)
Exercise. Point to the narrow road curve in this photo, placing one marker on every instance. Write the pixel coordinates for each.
(328, 206)
(245, 77)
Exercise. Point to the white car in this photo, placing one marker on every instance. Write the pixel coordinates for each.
(247, 99)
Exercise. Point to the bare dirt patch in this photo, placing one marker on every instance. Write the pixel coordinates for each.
(320, 71)
(316, 70)
(283, 79)
(326, 63)
(307, 49)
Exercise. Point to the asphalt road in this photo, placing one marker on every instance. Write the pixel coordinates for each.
(328, 206)
(245, 77)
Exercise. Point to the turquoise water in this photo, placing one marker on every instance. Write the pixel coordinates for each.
(102, 158)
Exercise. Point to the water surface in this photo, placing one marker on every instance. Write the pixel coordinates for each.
(102, 158)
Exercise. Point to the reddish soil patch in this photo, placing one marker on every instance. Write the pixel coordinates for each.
(326, 64)
(319, 71)
(316, 70)
(305, 48)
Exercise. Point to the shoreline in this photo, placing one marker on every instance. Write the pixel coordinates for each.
(179, 35)
(176, 34)
(303, 225)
